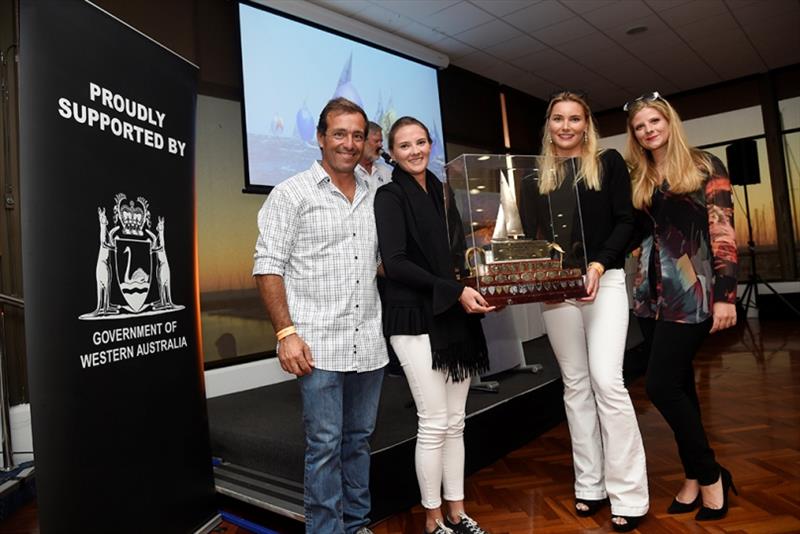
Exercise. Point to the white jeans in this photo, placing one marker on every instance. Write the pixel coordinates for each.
(441, 405)
(607, 451)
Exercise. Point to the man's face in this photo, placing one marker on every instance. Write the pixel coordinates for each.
(373, 145)
(343, 143)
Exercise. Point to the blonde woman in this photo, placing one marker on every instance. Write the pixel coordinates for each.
(686, 284)
(588, 335)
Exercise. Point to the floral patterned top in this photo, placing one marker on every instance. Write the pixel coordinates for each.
(688, 255)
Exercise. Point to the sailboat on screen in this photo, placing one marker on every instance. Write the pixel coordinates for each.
(345, 87)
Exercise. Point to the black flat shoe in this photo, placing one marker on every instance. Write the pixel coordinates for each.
(631, 522)
(711, 514)
(592, 506)
(678, 507)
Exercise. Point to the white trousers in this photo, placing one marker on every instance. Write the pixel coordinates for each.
(589, 342)
(441, 406)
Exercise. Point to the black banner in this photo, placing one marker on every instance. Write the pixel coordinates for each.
(116, 381)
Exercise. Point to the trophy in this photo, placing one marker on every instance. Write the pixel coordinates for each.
(513, 267)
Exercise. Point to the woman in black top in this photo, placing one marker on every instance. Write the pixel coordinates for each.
(588, 335)
(432, 321)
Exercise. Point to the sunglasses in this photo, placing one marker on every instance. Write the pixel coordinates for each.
(647, 97)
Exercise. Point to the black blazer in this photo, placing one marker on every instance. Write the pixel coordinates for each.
(607, 214)
(422, 292)
(416, 254)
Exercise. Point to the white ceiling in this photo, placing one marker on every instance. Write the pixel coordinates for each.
(541, 46)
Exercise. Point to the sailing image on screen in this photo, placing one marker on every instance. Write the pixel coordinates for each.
(291, 70)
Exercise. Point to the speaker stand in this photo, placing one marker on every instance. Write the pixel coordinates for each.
(749, 298)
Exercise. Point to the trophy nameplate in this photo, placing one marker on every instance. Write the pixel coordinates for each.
(504, 283)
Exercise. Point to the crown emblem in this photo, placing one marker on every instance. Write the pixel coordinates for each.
(132, 217)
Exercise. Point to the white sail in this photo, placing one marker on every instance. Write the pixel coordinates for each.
(508, 201)
(500, 233)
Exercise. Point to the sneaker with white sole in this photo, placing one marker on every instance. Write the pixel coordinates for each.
(467, 525)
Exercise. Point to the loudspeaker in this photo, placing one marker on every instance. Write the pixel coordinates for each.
(743, 162)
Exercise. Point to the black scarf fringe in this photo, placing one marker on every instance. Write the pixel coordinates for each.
(461, 361)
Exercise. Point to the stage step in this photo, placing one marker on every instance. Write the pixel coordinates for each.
(17, 488)
(275, 494)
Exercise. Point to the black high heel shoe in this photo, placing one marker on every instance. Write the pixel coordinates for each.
(678, 507)
(592, 506)
(631, 522)
(710, 514)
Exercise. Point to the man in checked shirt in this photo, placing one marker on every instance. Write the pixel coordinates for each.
(315, 266)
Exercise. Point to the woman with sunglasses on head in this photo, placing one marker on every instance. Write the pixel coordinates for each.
(588, 335)
(431, 320)
(686, 284)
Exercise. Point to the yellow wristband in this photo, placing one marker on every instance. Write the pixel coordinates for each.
(285, 332)
(597, 267)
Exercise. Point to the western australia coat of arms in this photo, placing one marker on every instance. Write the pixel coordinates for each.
(131, 258)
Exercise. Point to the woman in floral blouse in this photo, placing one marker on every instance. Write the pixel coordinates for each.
(686, 284)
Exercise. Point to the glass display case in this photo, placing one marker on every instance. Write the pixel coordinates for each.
(515, 227)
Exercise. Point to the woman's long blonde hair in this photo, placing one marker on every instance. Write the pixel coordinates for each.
(685, 168)
(552, 172)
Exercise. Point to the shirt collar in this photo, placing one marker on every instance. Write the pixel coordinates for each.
(318, 171)
(376, 174)
(321, 174)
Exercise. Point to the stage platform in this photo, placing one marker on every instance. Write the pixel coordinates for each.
(257, 435)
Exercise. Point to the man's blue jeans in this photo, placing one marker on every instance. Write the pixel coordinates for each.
(339, 411)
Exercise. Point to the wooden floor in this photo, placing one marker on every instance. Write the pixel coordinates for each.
(749, 386)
